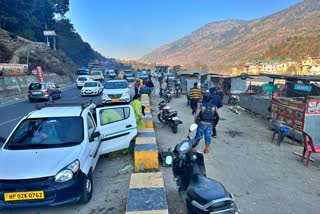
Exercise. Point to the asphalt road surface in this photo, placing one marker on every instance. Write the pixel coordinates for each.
(11, 114)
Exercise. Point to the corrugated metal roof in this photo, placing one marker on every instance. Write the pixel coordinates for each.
(295, 77)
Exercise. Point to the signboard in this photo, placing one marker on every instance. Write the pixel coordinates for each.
(40, 74)
(49, 33)
(302, 87)
(13, 69)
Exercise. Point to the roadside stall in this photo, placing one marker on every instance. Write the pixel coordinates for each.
(299, 107)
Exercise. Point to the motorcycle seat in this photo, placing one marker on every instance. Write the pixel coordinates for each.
(204, 190)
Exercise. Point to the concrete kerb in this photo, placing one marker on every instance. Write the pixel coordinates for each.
(146, 191)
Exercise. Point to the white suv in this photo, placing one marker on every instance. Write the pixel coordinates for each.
(82, 79)
(116, 91)
(49, 157)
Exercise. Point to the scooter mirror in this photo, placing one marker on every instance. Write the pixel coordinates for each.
(193, 127)
(168, 160)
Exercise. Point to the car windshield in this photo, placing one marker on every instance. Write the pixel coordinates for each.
(46, 133)
(96, 73)
(129, 75)
(115, 85)
(37, 86)
(82, 79)
(90, 84)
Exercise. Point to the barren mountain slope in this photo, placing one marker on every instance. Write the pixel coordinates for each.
(227, 43)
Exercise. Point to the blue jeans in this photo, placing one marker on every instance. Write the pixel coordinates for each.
(206, 130)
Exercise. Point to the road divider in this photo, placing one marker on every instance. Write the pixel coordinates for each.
(146, 192)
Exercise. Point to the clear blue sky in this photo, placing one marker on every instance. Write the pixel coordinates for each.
(129, 29)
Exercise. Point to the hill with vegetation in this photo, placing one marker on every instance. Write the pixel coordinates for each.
(218, 46)
(24, 22)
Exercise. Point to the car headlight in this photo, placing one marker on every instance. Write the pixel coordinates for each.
(67, 173)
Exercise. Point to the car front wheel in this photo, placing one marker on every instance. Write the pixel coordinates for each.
(87, 188)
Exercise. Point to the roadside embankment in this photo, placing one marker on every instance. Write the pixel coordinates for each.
(13, 88)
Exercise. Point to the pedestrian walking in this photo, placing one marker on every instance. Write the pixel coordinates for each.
(216, 100)
(204, 117)
(136, 87)
(194, 96)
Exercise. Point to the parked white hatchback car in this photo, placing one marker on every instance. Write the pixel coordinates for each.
(116, 91)
(81, 80)
(91, 88)
(49, 157)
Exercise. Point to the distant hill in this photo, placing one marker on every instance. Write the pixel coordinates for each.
(220, 45)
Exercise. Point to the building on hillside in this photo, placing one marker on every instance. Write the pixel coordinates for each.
(287, 66)
(310, 65)
(313, 70)
(273, 66)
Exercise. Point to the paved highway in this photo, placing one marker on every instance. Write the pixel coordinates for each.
(12, 113)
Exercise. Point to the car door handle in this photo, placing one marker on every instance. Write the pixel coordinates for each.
(128, 126)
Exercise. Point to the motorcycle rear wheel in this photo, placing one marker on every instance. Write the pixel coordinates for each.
(160, 118)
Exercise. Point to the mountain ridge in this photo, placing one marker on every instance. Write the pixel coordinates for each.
(221, 45)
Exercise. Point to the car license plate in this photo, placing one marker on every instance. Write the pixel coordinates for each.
(36, 92)
(115, 100)
(15, 196)
(175, 118)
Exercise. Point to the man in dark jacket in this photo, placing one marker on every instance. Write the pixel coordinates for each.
(204, 117)
(217, 101)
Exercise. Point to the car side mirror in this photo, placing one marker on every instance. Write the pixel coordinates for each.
(94, 135)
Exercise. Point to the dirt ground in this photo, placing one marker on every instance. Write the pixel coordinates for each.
(264, 177)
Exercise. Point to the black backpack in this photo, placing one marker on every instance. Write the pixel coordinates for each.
(207, 115)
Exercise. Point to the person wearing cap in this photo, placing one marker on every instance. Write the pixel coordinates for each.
(137, 107)
(194, 96)
(204, 117)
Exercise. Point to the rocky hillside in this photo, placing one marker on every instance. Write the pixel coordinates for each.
(220, 45)
(15, 49)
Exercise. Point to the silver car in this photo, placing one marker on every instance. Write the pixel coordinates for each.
(44, 91)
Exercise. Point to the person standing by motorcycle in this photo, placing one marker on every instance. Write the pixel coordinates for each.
(204, 117)
(194, 96)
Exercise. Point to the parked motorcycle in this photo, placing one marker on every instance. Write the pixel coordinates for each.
(167, 94)
(167, 116)
(200, 194)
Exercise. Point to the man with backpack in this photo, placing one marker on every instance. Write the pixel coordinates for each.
(204, 117)
(216, 100)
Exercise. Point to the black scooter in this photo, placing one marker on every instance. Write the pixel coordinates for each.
(199, 193)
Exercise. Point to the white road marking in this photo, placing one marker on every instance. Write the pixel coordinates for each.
(9, 121)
